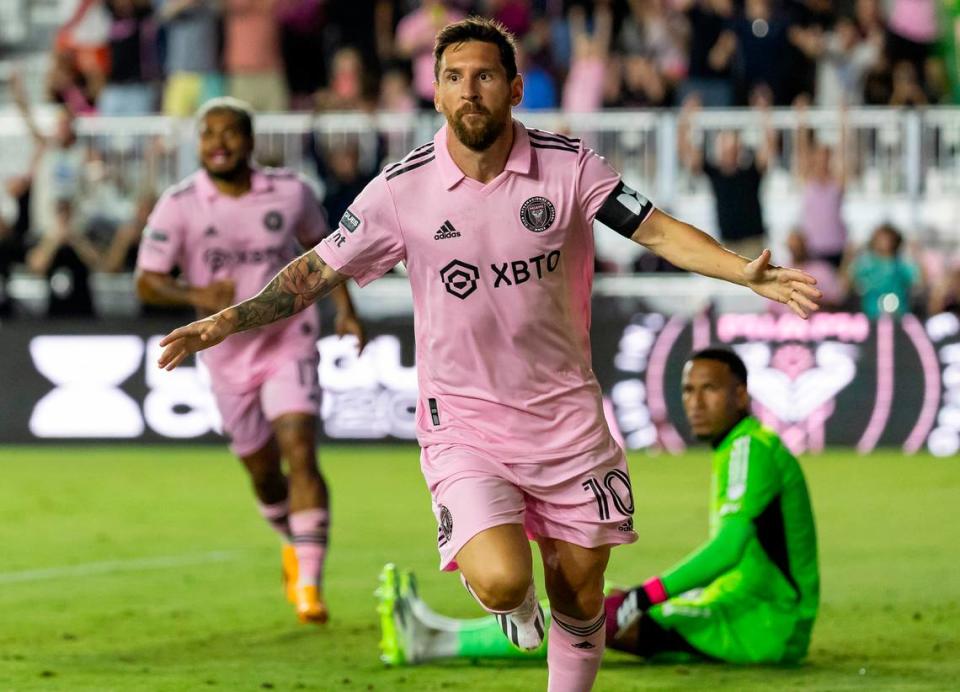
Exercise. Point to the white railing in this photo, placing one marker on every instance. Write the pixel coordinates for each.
(905, 165)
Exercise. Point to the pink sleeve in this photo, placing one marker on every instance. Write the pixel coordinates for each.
(596, 180)
(368, 242)
(162, 238)
(312, 226)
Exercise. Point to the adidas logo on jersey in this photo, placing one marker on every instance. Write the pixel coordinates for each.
(584, 645)
(446, 231)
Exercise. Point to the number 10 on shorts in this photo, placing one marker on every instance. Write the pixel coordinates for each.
(615, 487)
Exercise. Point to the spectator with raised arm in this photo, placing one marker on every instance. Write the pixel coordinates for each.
(845, 58)
(414, 42)
(735, 176)
(712, 48)
(57, 174)
(583, 91)
(823, 180)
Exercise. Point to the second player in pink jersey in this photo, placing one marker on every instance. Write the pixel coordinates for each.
(229, 227)
(494, 222)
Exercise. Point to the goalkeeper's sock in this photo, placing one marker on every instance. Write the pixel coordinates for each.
(483, 638)
(430, 636)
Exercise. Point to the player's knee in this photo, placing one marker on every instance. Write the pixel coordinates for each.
(500, 589)
(576, 595)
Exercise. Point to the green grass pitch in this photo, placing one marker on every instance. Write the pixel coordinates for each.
(147, 568)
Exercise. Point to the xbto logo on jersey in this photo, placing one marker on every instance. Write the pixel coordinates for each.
(521, 271)
(446, 231)
(538, 214)
(217, 258)
(460, 278)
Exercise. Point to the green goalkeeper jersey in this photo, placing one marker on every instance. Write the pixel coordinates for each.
(762, 530)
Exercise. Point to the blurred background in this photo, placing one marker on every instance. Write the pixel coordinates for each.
(826, 131)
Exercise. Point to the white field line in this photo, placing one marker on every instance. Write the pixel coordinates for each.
(146, 564)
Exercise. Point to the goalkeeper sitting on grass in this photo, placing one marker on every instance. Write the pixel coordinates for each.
(747, 595)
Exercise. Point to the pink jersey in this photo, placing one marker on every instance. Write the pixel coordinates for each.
(248, 239)
(501, 276)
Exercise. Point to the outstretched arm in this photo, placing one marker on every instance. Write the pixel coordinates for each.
(689, 248)
(715, 557)
(298, 285)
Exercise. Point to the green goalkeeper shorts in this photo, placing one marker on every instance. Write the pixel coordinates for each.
(731, 626)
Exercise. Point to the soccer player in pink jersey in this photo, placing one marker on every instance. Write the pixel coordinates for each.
(229, 227)
(494, 222)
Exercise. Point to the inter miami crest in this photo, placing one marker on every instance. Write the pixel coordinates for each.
(446, 522)
(273, 221)
(538, 214)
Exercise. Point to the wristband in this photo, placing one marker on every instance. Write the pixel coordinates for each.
(655, 590)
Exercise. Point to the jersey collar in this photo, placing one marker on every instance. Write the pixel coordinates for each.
(259, 182)
(519, 160)
(746, 425)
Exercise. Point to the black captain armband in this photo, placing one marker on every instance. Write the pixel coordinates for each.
(624, 210)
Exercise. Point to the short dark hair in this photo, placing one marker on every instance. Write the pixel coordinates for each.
(477, 29)
(723, 355)
(241, 110)
(894, 233)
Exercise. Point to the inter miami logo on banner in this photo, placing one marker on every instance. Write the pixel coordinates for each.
(273, 221)
(538, 214)
(460, 278)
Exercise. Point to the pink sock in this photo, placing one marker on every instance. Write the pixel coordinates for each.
(574, 649)
(308, 533)
(276, 515)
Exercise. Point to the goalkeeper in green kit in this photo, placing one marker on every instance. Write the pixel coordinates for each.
(748, 595)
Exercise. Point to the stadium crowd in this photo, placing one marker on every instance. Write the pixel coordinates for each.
(142, 56)
(139, 57)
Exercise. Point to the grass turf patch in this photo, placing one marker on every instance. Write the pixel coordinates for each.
(148, 568)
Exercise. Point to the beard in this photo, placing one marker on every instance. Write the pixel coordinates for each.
(231, 175)
(480, 137)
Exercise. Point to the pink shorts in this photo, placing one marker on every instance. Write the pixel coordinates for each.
(584, 500)
(293, 387)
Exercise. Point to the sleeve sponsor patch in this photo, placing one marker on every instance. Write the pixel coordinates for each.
(624, 210)
(350, 221)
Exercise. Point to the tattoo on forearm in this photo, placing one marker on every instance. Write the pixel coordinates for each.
(298, 285)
